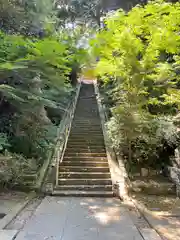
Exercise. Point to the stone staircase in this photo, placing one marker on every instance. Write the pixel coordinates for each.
(84, 170)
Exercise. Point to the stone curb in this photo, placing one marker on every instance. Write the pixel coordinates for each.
(146, 215)
(14, 212)
(116, 165)
(43, 171)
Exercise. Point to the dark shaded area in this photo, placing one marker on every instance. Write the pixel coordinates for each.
(110, 5)
(2, 215)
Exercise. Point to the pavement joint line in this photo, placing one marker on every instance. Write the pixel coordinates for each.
(15, 212)
(8, 234)
(29, 217)
(144, 212)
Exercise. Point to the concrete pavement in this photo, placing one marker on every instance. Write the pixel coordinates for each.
(80, 219)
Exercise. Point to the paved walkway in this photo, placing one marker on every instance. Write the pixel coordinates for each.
(80, 219)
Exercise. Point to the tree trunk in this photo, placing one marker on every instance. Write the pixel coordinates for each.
(40, 109)
(129, 151)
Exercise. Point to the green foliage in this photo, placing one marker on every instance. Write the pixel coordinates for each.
(32, 66)
(14, 167)
(139, 57)
(3, 141)
(31, 138)
(35, 65)
(35, 73)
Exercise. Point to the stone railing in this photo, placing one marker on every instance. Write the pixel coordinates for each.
(64, 133)
(56, 157)
(118, 171)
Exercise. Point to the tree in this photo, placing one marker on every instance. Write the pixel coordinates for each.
(26, 17)
(143, 65)
(81, 12)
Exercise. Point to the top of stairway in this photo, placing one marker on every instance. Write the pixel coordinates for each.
(86, 130)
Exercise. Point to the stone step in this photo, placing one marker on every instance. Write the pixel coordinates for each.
(85, 149)
(86, 143)
(85, 140)
(93, 110)
(85, 163)
(85, 146)
(90, 96)
(86, 137)
(82, 121)
(90, 124)
(81, 108)
(85, 181)
(92, 117)
(78, 148)
(82, 124)
(87, 118)
(83, 169)
(83, 193)
(88, 146)
(92, 107)
(85, 187)
(72, 155)
(89, 128)
(84, 101)
(85, 158)
(86, 134)
(86, 131)
(92, 113)
(84, 175)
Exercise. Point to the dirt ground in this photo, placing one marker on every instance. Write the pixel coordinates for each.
(163, 214)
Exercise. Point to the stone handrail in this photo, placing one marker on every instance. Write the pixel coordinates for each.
(63, 134)
(47, 175)
(117, 168)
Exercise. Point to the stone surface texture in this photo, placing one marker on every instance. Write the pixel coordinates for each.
(7, 234)
(80, 219)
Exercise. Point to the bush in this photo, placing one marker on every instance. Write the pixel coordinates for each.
(13, 168)
(139, 62)
(153, 144)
